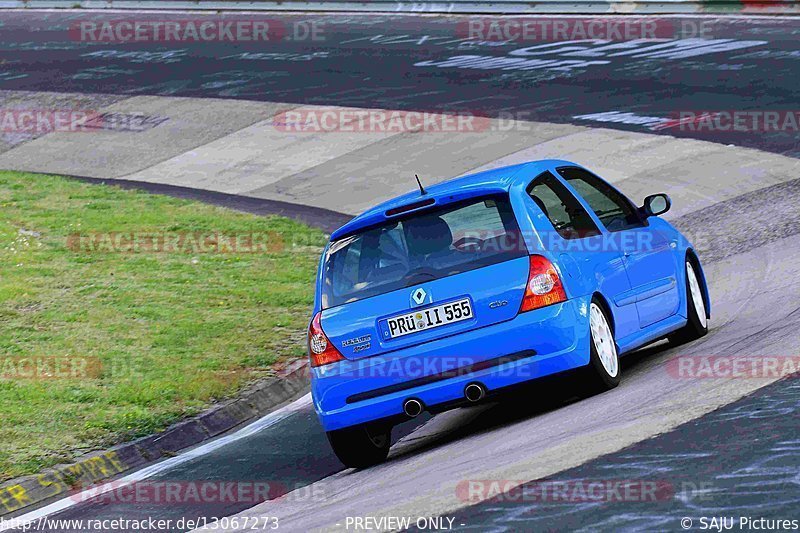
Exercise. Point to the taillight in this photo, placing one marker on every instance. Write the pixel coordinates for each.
(320, 349)
(544, 285)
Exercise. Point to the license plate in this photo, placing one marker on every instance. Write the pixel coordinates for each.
(429, 318)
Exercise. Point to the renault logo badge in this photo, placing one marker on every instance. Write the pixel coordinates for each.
(418, 296)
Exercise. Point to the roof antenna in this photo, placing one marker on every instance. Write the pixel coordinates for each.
(421, 188)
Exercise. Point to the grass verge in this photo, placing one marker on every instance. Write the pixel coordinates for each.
(122, 312)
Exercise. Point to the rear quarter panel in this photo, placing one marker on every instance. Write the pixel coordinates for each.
(586, 266)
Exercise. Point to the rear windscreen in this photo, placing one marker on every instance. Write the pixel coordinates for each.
(421, 247)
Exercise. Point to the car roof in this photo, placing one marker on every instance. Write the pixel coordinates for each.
(494, 181)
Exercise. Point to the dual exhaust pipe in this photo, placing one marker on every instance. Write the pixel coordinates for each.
(412, 407)
(473, 392)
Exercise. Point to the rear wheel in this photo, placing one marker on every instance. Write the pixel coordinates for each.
(697, 321)
(360, 446)
(603, 371)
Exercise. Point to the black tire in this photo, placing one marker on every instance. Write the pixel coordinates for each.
(695, 326)
(360, 446)
(597, 378)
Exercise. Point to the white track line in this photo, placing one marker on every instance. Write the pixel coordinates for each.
(65, 503)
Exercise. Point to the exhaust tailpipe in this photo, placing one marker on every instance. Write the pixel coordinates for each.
(412, 407)
(474, 392)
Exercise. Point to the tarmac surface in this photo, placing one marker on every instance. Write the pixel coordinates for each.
(407, 62)
(734, 193)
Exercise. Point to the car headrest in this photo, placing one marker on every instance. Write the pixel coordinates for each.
(427, 234)
(541, 205)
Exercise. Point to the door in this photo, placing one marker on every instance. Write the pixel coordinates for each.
(647, 254)
(579, 244)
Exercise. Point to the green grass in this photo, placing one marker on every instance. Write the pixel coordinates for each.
(172, 331)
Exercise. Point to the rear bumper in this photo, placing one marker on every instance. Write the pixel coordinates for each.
(531, 345)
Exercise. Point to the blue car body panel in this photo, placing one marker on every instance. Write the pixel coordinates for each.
(367, 317)
(643, 287)
(556, 337)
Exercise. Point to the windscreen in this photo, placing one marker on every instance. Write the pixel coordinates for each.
(421, 247)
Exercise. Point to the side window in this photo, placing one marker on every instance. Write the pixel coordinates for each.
(350, 260)
(613, 209)
(565, 213)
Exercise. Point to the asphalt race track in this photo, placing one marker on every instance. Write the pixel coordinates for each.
(400, 62)
(717, 453)
(746, 457)
(290, 451)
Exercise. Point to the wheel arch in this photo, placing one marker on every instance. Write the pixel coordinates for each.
(603, 301)
(607, 309)
(691, 256)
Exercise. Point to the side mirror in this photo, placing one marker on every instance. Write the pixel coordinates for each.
(656, 204)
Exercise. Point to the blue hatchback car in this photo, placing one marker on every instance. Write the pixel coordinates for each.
(445, 297)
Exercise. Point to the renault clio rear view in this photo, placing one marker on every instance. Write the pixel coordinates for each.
(443, 297)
